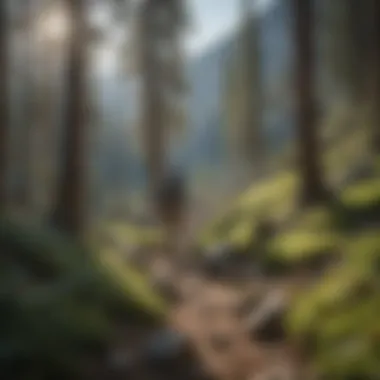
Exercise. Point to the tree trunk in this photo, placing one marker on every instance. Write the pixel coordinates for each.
(309, 160)
(25, 192)
(70, 212)
(4, 104)
(253, 141)
(153, 120)
(343, 24)
(376, 65)
(154, 131)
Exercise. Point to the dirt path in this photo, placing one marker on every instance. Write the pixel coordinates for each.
(208, 313)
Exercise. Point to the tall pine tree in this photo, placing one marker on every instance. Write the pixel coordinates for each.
(309, 156)
(159, 42)
(4, 102)
(70, 212)
(244, 96)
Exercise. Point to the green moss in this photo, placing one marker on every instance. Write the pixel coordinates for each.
(237, 223)
(315, 219)
(360, 255)
(347, 341)
(377, 165)
(299, 245)
(242, 235)
(344, 155)
(350, 359)
(363, 248)
(363, 194)
(239, 233)
(275, 196)
(132, 284)
(341, 311)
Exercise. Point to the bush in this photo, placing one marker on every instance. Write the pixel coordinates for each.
(60, 303)
(340, 314)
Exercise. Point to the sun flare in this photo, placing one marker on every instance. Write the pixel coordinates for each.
(54, 25)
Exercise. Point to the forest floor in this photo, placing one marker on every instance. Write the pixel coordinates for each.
(231, 320)
(209, 314)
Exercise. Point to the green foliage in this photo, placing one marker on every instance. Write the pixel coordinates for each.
(274, 197)
(377, 165)
(359, 205)
(133, 285)
(365, 194)
(344, 153)
(340, 313)
(238, 224)
(60, 302)
(336, 318)
(298, 245)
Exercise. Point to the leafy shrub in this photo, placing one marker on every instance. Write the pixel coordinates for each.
(60, 303)
(340, 314)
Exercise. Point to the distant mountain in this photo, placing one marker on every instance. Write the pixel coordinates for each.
(205, 143)
(206, 78)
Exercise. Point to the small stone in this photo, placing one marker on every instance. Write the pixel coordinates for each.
(166, 347)
(266, 323)
(198, 372)
(360, 172)
(218, 259)
(167, 290)
(220, 342)
(192, 287)
(248, 305)
(121, 361)
(271, 330)
(120, 364)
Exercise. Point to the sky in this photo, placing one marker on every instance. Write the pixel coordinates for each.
(213, 19)
(210, 21)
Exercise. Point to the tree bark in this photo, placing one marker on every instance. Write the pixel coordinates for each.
(376, 65)
(4, 104)
(252, 139)
(309, 159)
(25, 193)
(162, 82)
(152, 101)
(70, 212)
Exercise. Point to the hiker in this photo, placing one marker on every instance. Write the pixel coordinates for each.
(171, 206)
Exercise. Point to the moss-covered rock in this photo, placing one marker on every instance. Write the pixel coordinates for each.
(340, 313)
(364, 194)
(358, 206)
